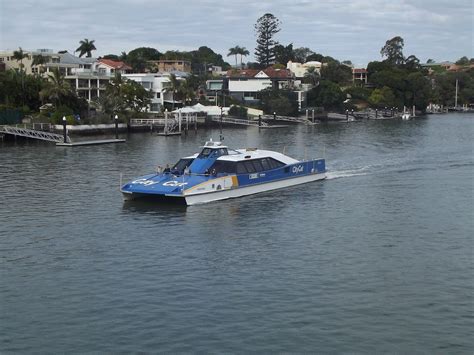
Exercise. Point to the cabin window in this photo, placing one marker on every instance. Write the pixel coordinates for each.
(274, 164)
(241, 168)
(249, 166)
(257, 165)
(265, 164)
(205, 153)
(222, 166)
(182, 164)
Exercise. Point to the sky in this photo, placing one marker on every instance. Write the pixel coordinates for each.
(352, 30)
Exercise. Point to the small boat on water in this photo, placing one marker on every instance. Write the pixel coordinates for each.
(406, 116)
(218, 173)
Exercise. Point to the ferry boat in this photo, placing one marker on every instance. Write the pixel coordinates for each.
(218, 173)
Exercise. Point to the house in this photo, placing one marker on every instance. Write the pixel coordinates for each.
(159, 84)
(111, 67)
(359, 74)
(80, 73)
(170, 65)
(299, 70)
(245, 85)
(6, 57)
(214, 88)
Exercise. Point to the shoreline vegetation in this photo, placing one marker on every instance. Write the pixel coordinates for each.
(395, 82)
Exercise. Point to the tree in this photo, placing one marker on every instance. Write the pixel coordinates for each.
(57, 89)
(315, 57)
(383, 97)
(86, 47)
(327, 94)
(418, 90)
(463, 61)
(135, 96)
(412, 63)
(243, 52)
(39, 60)
(283, 102)
(19, 55)
(111, 56)
(138, 57)
(234, 51)
(174, 87)
(337, 73)
(393, 50)
(301, 54)
(266, 28)
(284, 54)
(121, 95)
(429, 61)
(312, 76)
(187, 91)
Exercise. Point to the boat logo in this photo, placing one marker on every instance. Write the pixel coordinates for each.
(298, 169)
(144, 182)
(174, 183)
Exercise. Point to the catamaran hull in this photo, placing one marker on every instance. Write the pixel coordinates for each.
(199, 198)
(173, 199)
(250, 190)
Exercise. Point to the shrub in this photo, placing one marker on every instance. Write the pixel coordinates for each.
(238, 111)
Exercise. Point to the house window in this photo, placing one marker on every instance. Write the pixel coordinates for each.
(158, 95)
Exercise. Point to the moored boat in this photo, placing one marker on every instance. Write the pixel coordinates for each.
(218, 173)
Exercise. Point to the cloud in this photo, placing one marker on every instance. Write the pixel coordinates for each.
(351, 29)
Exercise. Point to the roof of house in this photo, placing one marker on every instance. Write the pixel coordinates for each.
(272, 73)
(68, 58)
(359, 70)
(116, 64)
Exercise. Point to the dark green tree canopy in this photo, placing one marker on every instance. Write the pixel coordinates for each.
(393, 50)
(301, 54)
(283, 54)
(86, 47)
(266, 28)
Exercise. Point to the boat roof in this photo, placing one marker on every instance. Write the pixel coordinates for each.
(253, 153)
(212, 144)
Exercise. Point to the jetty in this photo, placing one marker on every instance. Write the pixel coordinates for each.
(44, 133)
(33, 133)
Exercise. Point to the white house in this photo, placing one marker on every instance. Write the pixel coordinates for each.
(245, 85)
(159, 84)
(299, 70)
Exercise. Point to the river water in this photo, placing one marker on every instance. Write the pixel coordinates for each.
(376, 258)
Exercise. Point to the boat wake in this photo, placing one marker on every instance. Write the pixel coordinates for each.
(330, 175)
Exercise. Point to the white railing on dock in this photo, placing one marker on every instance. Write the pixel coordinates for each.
(238, 121)
(147, 121)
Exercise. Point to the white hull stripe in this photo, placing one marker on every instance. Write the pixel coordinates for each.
(250, 190)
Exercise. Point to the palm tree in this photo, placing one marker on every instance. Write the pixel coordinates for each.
(39, 60)
(187, 91)
(57, 88)
(234, 51)
(243, 52)
(86, 47)
(19, 55)
(175, 86)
